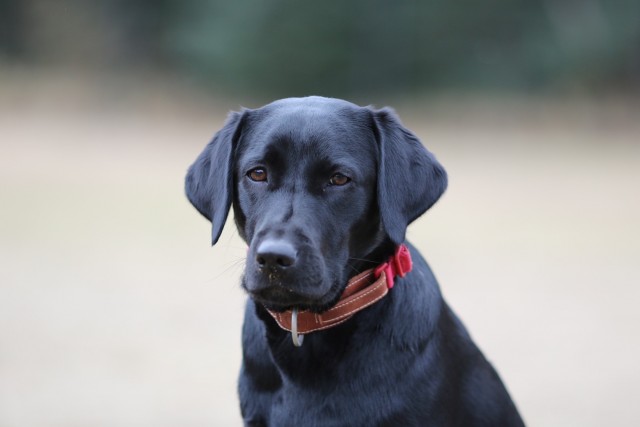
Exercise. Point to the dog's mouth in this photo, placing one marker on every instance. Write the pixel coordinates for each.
(279, 299)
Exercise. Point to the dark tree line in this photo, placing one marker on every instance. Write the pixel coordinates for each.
(340, 47)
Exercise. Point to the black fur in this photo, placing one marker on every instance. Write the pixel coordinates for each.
(405, 361)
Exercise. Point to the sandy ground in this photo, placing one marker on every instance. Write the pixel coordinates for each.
(115, 311)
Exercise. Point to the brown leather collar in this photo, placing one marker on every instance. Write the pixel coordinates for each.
(362, 291)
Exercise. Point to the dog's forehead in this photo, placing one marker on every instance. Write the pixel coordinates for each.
(310, 102)
(311, 124)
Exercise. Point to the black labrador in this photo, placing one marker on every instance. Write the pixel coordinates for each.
(323, 190)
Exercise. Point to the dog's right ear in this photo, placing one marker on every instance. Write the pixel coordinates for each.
(209, 181)
(410, 179)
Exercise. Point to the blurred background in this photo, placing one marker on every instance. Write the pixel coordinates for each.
(115, 310)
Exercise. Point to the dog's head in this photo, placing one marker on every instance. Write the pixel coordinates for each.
(318, 186)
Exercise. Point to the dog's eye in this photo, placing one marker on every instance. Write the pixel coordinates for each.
(339, 179)
(257, 174)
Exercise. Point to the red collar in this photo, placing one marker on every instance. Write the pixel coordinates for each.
(362, 290)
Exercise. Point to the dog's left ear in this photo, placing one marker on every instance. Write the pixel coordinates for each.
(209, 181)
(410, 179)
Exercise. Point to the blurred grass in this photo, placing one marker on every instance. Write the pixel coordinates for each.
(114, 310)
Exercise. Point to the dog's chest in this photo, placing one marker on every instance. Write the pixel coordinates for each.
(342, 406)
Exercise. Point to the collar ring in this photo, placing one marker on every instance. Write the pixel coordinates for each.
(297, 339)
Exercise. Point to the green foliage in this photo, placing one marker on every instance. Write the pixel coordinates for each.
(351, 47)
(338, 47)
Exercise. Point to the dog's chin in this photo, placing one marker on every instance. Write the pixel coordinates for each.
(280, 299)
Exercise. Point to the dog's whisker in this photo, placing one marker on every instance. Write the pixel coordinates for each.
(355, 270)
(231, 266)
(363, 260)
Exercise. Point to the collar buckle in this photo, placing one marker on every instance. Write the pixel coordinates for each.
(398, 265)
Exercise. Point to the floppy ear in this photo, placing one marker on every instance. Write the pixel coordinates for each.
(209, 181)
(410, 179)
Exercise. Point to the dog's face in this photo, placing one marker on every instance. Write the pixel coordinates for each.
(305, 183)
(317, 185)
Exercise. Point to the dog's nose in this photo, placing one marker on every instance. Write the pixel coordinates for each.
(275, 253)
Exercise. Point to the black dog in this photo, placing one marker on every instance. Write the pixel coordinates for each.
(322, 191)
